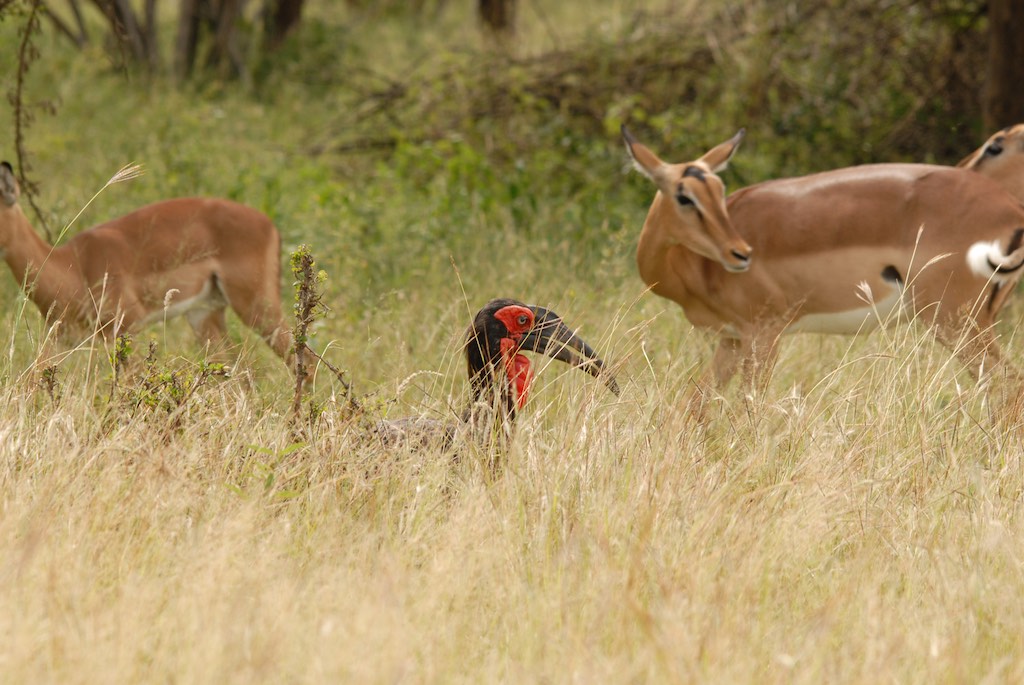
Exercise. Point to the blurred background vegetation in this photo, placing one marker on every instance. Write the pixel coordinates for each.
(412, 141)
(851, 79)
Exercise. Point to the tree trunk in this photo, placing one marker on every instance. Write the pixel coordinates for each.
(1003, 101)
(128, 34)
(218, 19)
(498, 16)
(76, 11)
(76, 35)
(281, 18)
(188, 39)
(149, 32)
(125, 20)
(224, 53)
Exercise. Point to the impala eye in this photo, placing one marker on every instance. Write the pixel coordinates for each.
(683, 200)
(995, 148)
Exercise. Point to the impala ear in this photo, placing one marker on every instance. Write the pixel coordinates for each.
(8, 184)
(717, 158)
(645, 161)
(971, 160)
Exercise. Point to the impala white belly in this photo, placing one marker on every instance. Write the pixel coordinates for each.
(206, 300)
(887, 312)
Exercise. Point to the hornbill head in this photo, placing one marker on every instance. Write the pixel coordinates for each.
(502, 330)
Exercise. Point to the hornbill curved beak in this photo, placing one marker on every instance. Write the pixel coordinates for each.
(551, 337)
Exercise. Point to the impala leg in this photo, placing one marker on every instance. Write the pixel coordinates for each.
(981, 354)
(56, 343)
(724, 365)
(973, 341)
(727, 360)
(976, 347)
(211, 328)
(273, 329)
(759, 358)
(261, 311)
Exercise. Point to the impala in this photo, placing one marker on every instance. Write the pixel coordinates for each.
(834, 252)
(1001, 158)
(188, 257)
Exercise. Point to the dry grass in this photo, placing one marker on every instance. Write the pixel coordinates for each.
(860, 524)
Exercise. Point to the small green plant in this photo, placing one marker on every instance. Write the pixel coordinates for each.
(168, 391)
(49, 382)
(119, 359)
(270, 467)
(308, 307)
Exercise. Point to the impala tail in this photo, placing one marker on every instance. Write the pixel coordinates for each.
(990, 260)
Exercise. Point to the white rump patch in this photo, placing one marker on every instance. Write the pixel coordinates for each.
(980, 258)
(194, 308)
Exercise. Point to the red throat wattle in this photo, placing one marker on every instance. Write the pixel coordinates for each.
(517, 367)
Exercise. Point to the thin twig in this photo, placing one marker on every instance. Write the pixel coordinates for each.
(340, 375)
(26, 55)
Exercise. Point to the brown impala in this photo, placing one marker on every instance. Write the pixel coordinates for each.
(834, 252)
(1001, 158)
(188, 257)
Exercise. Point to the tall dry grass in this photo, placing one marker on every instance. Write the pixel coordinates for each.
(859, 523)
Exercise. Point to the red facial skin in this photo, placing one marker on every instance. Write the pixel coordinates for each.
(518, 320)
(518, 369)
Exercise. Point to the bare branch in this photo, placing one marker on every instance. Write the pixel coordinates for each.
(27, 53)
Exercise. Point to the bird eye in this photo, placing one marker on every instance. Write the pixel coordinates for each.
(683, 200)
(522, 319)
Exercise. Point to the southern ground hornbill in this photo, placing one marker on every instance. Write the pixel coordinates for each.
(500, 375)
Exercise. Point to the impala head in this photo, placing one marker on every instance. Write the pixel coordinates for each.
(698, 199)
(1001, 158)
(9, 193)
(9, 189)
(505, 328)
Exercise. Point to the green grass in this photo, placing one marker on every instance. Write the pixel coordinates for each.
(861, 522)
